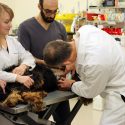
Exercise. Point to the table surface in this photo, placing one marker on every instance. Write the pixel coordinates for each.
(52, 97)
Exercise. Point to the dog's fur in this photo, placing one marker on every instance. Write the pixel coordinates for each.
(44, 81)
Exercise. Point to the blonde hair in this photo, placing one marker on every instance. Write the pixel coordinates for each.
(7, 9)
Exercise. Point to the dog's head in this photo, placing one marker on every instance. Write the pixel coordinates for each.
(47, 76)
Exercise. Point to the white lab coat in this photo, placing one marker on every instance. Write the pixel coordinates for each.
(101, 68)
(17, 55)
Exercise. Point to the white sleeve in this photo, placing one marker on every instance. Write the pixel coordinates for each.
(25, 57)
(93, 81)
(8, 77)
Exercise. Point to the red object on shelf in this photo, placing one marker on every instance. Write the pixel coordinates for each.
(91, 15)
(102, 17)
(113, 31)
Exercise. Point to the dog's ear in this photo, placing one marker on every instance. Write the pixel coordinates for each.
(50, 80)
(47, 75)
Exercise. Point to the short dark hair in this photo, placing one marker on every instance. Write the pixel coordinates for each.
(7, 9)
(56, 52)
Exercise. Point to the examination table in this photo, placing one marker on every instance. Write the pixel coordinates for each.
(21, 114)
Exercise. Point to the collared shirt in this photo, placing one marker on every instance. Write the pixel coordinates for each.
(15, 55)
(100, 63)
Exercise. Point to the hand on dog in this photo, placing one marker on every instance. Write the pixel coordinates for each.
(20, 70)
(65, 84)
(26, 80)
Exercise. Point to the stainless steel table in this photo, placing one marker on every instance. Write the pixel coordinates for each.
(19, 114)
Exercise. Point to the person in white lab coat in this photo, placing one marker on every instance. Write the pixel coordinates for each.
(12, 52)
(100, 64)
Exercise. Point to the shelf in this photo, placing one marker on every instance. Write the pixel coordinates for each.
(110, 7)
(106, 22)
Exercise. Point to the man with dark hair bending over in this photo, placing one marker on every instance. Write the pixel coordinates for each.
(100, 64)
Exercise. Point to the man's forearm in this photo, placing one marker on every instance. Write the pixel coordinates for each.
(39, 61)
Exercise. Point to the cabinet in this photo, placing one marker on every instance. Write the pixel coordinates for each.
(106, 15)
(109, 18)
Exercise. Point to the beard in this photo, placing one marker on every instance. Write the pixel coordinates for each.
(47, 19)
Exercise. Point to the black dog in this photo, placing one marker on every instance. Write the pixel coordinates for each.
(40, 73)
(44, 80)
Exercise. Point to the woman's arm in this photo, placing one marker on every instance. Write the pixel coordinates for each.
(25, 57)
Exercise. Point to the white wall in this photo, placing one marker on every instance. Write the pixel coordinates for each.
(72, 5)
(8, 2)
(24, 9)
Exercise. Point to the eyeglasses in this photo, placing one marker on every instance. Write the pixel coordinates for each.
(50, 12)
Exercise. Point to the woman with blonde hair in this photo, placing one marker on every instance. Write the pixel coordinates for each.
(12, 52)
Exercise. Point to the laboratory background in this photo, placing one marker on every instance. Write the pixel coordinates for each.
(108, 15)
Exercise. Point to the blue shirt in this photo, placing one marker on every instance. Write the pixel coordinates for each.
(34, 37)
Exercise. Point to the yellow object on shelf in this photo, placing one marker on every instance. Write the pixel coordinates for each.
(66, 20)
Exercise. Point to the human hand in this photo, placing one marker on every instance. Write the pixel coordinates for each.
(3, 85)
(65, 84)
(20, 70)
(26, 80)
